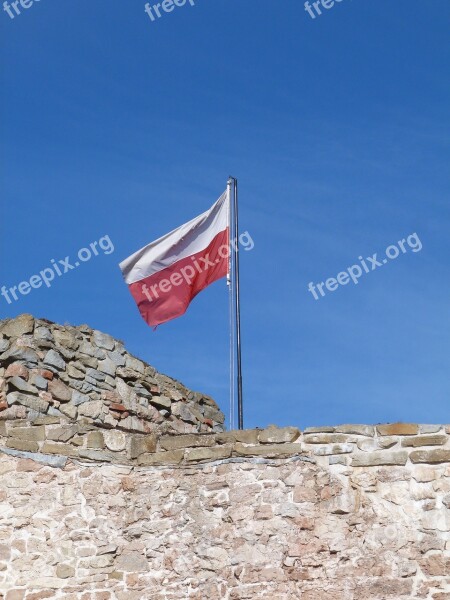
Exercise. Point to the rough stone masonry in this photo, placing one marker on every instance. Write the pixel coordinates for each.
(117, 483)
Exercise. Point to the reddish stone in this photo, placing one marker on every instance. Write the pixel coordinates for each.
(44, 373)
(26, 465)
(46, 396)
(111, 397)
(15, 595)
(118, 407)
(124, 415)
(17, 370)
(304, 522)
(154, 389)
(60, 391)
(19, 545)
(208, 422)
(41, 595)
(3, 405)
(436, 565)
(128, 484)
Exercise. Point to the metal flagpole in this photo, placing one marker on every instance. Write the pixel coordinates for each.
(237, 300)
(231, 309)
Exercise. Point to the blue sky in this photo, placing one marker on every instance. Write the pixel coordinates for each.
(337, 129)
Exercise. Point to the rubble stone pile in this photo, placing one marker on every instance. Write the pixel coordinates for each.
(52, 374)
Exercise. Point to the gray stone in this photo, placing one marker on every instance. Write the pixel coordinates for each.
(132, 562)
(277, 435)
(115, 440)
(72, 371)
(141, 444)
(17, 327)
(337, 460)
(246, 436)
(66, 338)
(173, 457)
(37, 404)
(268, 450)
(91, 409)
(107, 366)
(376, 459)
(424, 440)
(57, 462)
(174, 442)
(92, 351)
(4, 345)
(17, 353)
(214, 414)
(96, 455)
(103, 340)
(87, 361)
(132, 424)
(61, 434)
(78, 398)
(43, 334)
(323, 429)
(150, 372)
(65, 571)
(161, 401)
(95, 375)
(67, 355)
(59, 449)
(135, 364)
(31, 434)
(14, 412)
(82, 386)
(55, 413)
(117, 359)
(69, 410)
(24, 445)
(102, 385)
(126, 393)
(430, 428)
(143, 392)
(128, 374)
(431, 457)
(95, 440)
(334, 449)
(22, 386)
(110, 382)
(54, 359)
(381, 443)
(326, 438)
(46, 420)
(366, 430)
(216, 453)
(185, 412)
(39, 382)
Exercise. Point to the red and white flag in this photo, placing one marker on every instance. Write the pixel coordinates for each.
(167, 274)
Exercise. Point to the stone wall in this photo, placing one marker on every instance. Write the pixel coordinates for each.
(54, 374)
(118, 483)
(341, 513)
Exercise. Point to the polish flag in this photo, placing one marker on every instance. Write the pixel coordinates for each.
(166, 275)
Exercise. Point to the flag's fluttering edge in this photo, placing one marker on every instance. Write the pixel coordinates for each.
(166, 275)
